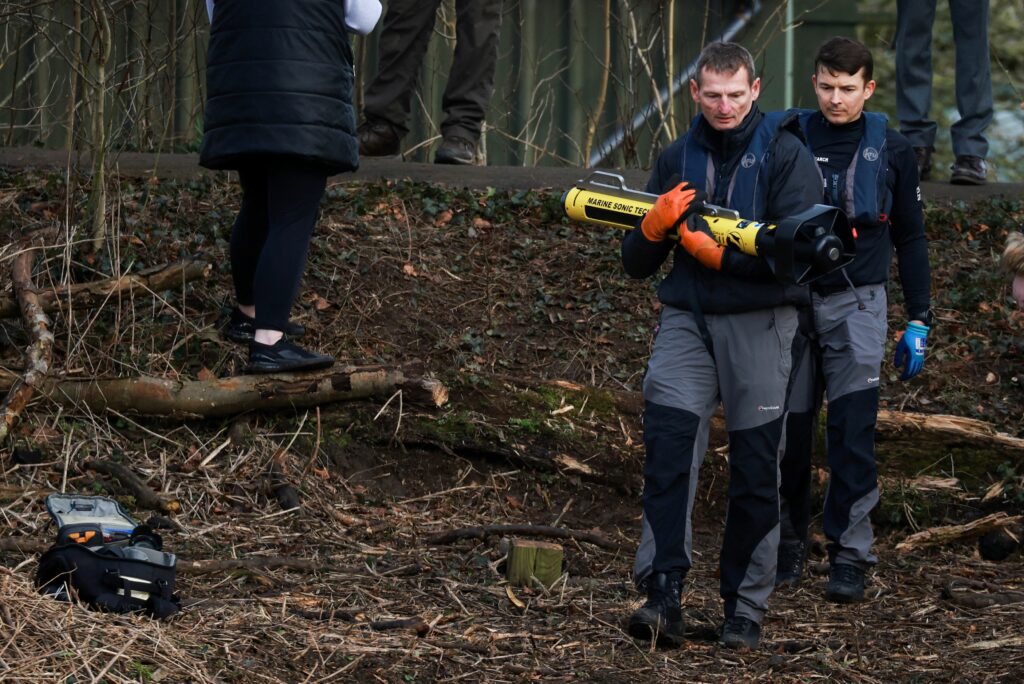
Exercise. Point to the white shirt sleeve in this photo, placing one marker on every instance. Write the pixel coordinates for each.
(209, 10)
(361, 15)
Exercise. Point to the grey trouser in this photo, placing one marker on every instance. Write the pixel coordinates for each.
(849, 347)
(914, 20)
(408, 25)
(748, 374)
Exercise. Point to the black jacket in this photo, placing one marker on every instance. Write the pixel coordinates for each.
(902, 229)
(745, 283)
(279, 82)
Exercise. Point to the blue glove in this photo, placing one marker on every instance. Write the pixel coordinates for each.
(910, 350)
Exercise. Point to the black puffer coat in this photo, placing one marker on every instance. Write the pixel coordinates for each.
(279, 82)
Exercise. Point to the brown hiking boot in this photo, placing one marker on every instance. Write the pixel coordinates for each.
(379, 139)
(923, 155)
(968, 170)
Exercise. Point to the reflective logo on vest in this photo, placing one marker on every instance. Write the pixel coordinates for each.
(870, 154)
(748, 160)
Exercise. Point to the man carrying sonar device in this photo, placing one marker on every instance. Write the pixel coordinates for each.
(725, 335)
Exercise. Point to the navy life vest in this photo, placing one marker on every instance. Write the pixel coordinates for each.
(866, 198)
(748, 188)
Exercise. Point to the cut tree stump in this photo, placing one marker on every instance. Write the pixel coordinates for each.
(528, 559)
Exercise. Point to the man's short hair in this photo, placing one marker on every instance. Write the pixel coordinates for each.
(725, 58)
(845, 55)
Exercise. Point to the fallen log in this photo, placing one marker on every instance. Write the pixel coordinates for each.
(957, 428)
(183, 399)
(890, 424)
(92, 294)
(26, 545)
(981, 599)
(40, 349)
(526, 530)
(939, 536)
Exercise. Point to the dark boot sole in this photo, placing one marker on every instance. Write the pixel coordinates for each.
(645, 631)
(836, 597)
(967, 180)
(455, 161)
(738, 645)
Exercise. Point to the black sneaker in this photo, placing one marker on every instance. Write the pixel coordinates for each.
(379, 139)
(739, 632)
(241, 328)
(284, 357)
(923, 155)
(790, 570)
(661, 617)
(968, 170)
(845, 584)
(455, 149)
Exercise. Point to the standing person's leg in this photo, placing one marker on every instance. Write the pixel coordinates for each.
(795, 467)
(852, 343)
(294, 189)
(406, 31)
(973, 89)
(471, 79)
(754, 357)
(248, 235)
(680, 394)
(914, 20)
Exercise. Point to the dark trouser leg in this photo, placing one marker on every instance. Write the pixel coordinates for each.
(471, 80)
(408, 25)
(294, 189)
(669, 482)
(914, 20)
(801, 426)
(973, 77)
(853, 485)
(753, 354)
(750, 546)
(249, 232)
(795, 472)
(852, 341)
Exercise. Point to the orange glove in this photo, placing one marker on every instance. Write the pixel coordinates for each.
(670, 210)
(696, 238)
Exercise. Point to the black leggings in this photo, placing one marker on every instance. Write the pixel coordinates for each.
(270, 238)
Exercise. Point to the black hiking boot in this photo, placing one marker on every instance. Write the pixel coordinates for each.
(845, 584)
(241, 328)
(790, 570)
(739, 632)
(284, 357)
(661, 617)
(455, 149)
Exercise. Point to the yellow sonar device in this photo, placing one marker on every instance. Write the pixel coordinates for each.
(799, 249)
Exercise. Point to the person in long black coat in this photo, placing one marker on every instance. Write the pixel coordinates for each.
(279, 112)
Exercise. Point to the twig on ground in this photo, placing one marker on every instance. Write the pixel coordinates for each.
(534, 530)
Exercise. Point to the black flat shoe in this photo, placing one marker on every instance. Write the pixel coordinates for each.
(242, 328)
(284, 357)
